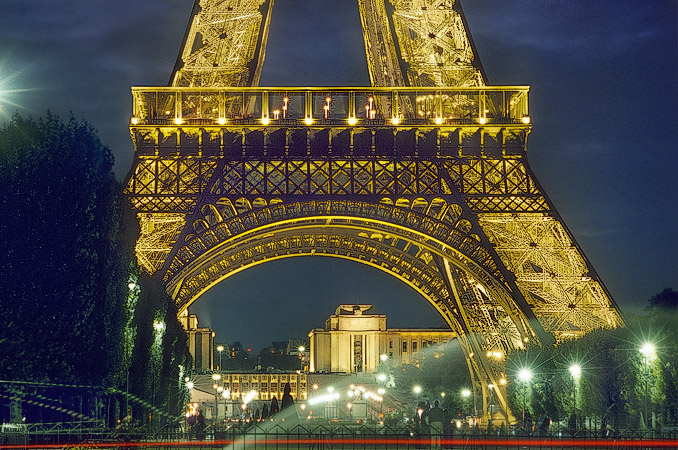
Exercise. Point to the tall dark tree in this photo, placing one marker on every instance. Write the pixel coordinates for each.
(64, 270)
(160, 357)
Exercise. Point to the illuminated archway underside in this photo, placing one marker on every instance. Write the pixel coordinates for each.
(445, 267)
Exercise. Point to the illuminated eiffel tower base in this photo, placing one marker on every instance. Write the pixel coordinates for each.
(422, 175)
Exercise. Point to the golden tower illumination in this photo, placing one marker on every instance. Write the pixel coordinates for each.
(422, 175)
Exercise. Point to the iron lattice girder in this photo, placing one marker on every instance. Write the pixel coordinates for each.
(433, 41)
(550, 270)
(403, 253)
(224, 44)
(233, 234)
(228, 218)
(422, 41)
(488, 184)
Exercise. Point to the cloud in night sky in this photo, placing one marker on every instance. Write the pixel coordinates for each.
(604, 99)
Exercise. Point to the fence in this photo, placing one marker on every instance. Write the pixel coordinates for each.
(270, 435)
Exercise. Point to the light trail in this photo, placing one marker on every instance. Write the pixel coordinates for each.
(468, 442)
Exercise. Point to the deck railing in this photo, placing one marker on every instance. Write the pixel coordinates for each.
(330, 106)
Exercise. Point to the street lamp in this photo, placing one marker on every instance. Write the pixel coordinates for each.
(465, 393)
(220, 348)
(649, 352)
(301, 356)
(575, 371)
(216, 377)
(491, 388)
(524, 375)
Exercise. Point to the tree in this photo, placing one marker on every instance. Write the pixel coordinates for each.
(160, 358)
(666, 300)
(66, 256)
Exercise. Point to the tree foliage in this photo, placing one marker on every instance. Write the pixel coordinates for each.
(74, 309)
(619, 385)
(64, 271)
(160, 358)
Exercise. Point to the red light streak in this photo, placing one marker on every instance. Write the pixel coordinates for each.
(467, 442)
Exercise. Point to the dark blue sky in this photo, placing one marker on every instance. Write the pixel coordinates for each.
(604, 102)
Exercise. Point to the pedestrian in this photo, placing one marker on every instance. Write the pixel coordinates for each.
(200, 426)
(436, 418)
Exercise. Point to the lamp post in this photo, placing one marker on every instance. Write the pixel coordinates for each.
(220, 348)
(524, 375)
(216, 377)
(381, 391)
(575, 372)
(649, 353)
(465, 393)
(301, 350)
(417, 390)
(489, 408)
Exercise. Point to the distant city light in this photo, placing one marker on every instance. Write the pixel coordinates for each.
(323, 398)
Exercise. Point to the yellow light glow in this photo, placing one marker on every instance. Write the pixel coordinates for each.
(526, 119)
(395, 120)
(178, 120)
(265, 120)
(221, 121)
(134, 120)
(439, 120)
(308, 121)
(352, 120)
(482, 120)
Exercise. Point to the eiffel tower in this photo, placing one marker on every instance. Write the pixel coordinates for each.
(422, 175)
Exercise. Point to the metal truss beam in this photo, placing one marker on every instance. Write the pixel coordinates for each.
(224, 44)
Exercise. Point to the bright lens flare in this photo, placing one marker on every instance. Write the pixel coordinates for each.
(8, 90)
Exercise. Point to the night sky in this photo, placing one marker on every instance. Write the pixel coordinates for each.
(604, 103)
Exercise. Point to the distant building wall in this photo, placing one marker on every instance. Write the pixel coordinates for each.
(200, 342)
(355, 337)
